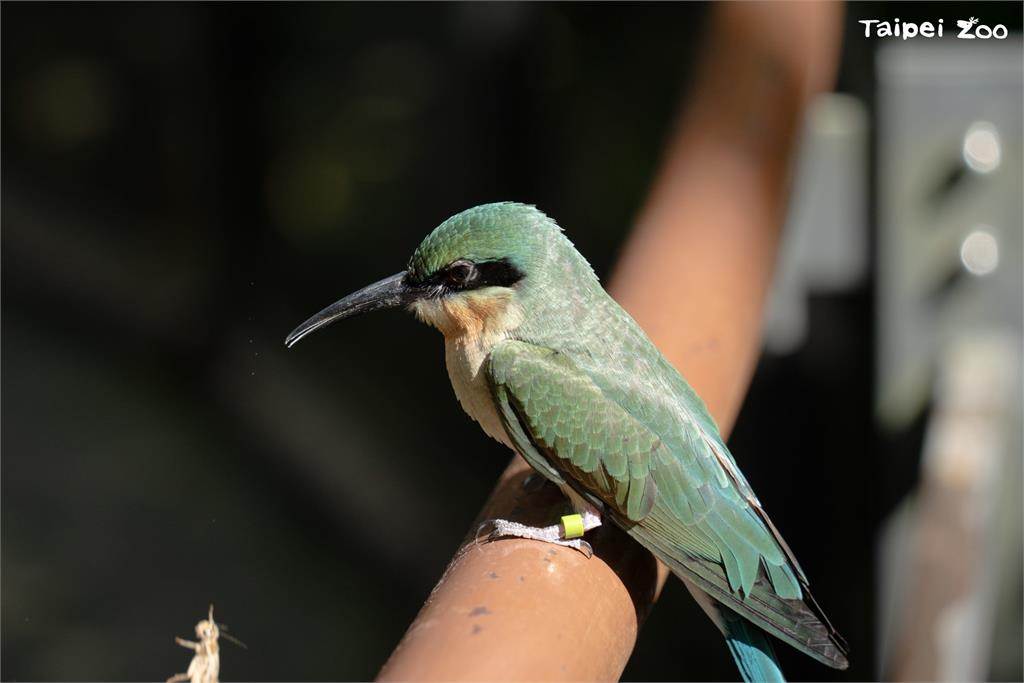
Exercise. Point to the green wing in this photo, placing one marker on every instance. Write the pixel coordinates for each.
(674, 489)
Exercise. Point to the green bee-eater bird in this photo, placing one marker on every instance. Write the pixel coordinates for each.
(552, 367)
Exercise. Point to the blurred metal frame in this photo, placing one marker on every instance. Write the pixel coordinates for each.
(949, 306)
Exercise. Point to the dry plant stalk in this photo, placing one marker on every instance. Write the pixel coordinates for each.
(205, 664)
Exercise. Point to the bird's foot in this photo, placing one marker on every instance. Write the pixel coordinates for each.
(556, 533)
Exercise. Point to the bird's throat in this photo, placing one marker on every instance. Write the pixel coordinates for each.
(490, 312)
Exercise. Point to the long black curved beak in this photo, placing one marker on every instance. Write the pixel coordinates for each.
(388, 293)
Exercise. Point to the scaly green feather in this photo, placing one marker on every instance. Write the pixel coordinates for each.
(678, 503)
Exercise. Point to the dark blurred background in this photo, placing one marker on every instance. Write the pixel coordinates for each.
(183, 183)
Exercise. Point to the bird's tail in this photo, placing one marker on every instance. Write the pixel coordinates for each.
(749, 646)
(752, 650)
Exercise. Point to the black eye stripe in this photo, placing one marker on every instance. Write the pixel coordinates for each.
(497, 274)
(461, 276)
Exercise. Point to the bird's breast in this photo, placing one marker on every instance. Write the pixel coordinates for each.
(465, 362)
(473, 324)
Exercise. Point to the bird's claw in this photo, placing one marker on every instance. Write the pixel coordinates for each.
(483, 525)
(583, 547)
(533, 482)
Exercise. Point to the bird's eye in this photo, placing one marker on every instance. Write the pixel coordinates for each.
(459, 273)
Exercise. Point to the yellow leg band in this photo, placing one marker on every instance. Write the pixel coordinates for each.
(573, 525)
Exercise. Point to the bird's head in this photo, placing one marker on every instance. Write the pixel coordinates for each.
(477, 271)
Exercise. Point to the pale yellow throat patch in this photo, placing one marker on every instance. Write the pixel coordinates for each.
(473, 323)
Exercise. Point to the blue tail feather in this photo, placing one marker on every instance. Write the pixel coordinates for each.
(749, 646)
(752, 650)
